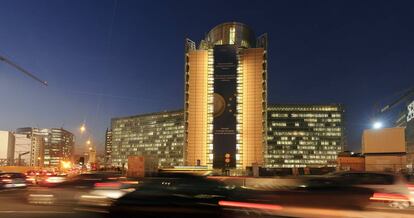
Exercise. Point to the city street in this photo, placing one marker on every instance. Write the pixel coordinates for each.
(13, 205)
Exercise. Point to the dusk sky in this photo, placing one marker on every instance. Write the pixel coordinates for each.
(108, 58)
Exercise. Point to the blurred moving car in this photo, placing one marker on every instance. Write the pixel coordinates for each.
(389, 188)
(35, 177)
(311, 192)
(173, 195)
(78, 189)
(12, 180)
(52, 180)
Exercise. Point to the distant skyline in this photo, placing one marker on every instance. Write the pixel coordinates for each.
(115, 58)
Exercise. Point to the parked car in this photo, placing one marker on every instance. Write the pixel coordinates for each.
(12, 180)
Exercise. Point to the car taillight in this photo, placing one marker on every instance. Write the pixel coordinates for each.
(250, 205)
(389, 197)
(107, 185)
(130, 182)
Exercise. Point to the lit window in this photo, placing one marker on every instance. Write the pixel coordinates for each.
(232, 35)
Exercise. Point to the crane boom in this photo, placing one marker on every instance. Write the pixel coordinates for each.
(27, 73)
(406, 95)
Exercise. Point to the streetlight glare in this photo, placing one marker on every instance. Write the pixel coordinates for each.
(66, 164)
(82, 128)
(88, 142)
(377, 125)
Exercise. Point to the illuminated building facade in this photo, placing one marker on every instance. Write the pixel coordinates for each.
(22, 148)
(7, 141)
(409, 136)
(108, 147)
(57, 145)
(157, 136)
(406, 120)
(304, 135)
(226, 98)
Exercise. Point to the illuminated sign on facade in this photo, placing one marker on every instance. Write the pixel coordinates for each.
(224, 125)
(410, 114)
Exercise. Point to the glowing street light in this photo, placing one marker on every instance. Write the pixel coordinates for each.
(82, 128)
(66, 164)
(88, 142)
(377, 125)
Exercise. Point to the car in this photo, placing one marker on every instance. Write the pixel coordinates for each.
(390, 188)
(309, 192)
(172, 195)
(12, 180)
(71, 191)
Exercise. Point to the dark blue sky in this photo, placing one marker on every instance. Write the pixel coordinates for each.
(106, 58)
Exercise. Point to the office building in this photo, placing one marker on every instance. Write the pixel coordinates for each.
(7, 142)
(39, 140)
(409, 136)
(157, 136)
(91, 156)
(22, 149)
(37, 153)
(51, 146)
(304, 136)
(225, 98)
(61, 147)
(108, 147)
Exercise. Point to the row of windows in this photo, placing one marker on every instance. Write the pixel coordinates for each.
(303, 108)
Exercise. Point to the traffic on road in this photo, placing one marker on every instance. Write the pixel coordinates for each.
(110, 194)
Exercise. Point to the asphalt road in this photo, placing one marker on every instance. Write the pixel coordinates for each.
(13, 204)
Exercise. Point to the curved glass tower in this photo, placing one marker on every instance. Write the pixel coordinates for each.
(226, 98)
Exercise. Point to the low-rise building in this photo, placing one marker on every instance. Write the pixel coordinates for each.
(350, 161)
(384, 149)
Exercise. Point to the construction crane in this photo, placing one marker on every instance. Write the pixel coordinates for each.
(406, 96)
(27, 73)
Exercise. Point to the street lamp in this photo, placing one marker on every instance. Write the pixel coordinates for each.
(82, 128)
(377, 125)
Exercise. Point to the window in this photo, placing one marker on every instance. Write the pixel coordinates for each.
(232, 35)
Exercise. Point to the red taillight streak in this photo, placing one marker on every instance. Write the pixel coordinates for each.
(389, 197)
(250, 205)
(107, 184)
